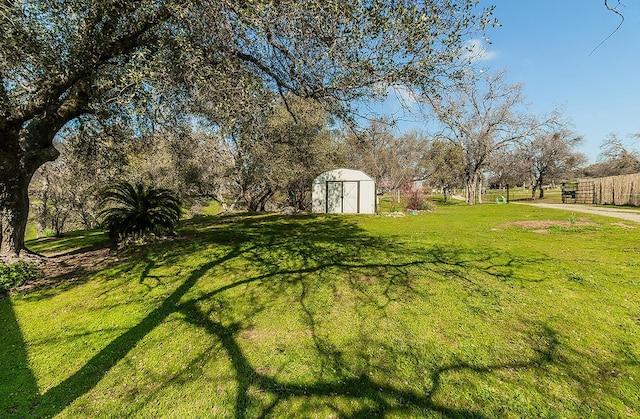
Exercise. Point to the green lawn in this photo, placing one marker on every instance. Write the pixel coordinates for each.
(452, 313)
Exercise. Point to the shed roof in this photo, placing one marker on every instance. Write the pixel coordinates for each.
(342, 175)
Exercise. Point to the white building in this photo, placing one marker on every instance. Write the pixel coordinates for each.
(344, 191)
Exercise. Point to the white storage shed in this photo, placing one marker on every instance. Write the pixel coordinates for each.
(344, 191)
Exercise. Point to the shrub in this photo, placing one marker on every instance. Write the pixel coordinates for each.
(416, 201)
(137, 211)
(16, 274)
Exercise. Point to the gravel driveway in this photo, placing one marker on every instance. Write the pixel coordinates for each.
(621, 213)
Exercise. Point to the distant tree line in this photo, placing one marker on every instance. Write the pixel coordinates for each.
(268, 162)
(617, 157)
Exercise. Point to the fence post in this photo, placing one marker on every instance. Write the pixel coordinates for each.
(507, 193)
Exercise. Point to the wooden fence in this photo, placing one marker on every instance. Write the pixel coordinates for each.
(616, 190)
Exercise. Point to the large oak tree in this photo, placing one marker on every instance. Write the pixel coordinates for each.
(63, 59)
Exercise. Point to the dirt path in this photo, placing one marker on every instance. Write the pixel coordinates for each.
(621, 213)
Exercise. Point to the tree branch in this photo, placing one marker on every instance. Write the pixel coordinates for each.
(260, 65)
(61, 81)
(616, 11)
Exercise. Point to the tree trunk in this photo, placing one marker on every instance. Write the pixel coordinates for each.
(470, 191)
(42, 214)
(472, 182)
(537, 186)
(22, 152)
(223, 203)
(58, 221)
(26, 143)
(14, 211)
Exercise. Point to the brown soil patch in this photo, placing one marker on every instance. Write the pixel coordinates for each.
(539, 224)
(70, 266)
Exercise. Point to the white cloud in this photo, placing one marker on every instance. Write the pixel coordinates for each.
(402, 95)
(476, 51)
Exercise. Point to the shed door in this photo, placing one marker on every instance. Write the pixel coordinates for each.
(334, 197)
(350, 197)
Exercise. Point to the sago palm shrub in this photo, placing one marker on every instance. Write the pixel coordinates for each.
(137, 211)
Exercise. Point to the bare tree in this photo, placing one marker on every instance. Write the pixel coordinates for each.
(483, 117)
(363, 150)
(391, 160)
(549, 157)
(617, 157)
(508, 167)
(443, 165)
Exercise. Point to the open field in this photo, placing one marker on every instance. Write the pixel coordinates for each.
(484, 311)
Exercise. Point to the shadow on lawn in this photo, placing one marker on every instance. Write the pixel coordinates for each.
(309, 246)
(16, 379)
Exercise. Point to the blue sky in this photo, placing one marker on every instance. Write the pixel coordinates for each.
(547, 45)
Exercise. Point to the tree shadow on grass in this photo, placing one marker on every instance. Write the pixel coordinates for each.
(57, 398)
(386, 399)
(16, 378)
(285, 253)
